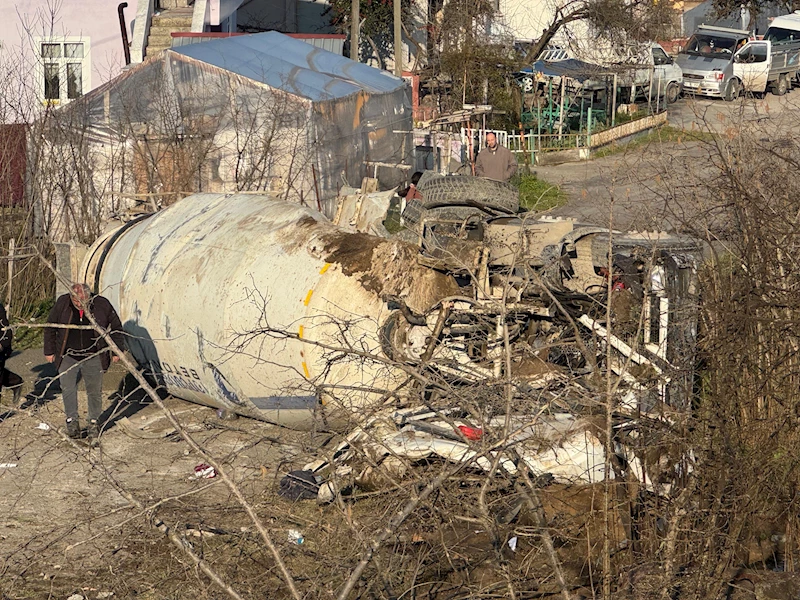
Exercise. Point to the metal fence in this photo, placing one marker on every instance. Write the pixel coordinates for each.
(528, 143)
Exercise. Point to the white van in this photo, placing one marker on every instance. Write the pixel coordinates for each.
(785, 28)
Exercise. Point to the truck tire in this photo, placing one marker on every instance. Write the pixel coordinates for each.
(673, 92)
(415, 212)
(455, 190)
(781, 86)
(733, 91)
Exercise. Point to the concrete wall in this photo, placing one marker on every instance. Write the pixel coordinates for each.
(626, 129)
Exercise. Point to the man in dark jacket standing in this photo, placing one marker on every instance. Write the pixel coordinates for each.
(81, 351)
(8, 379)
(495, 161)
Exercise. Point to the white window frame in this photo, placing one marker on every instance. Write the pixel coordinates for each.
(39, 70)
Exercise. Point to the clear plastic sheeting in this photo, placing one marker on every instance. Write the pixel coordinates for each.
(262, 112)
(295, 66)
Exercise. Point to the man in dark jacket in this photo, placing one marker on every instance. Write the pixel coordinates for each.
(8, 379)
(495, 161)
(81, 351)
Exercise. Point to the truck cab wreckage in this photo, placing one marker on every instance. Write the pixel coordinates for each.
(496, 331)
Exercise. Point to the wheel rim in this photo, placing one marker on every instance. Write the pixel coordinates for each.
(672, 93)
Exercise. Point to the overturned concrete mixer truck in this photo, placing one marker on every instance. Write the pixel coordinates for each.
(266, 308)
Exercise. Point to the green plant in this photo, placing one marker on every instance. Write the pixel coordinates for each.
(32, 337)
(538, 195)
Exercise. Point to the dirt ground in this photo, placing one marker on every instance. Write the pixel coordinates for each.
(69, 530)
(66, 530)
(656, 186)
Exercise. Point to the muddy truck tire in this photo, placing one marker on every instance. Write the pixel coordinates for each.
(442, 190)
(458, 196)
(416, 211)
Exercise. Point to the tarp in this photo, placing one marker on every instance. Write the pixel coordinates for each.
(572, 67)
(292, 65)
(244, 113)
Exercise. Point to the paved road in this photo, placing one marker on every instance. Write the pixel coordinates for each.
(643, 189)
(664, 185)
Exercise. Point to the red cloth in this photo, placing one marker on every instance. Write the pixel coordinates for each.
(413, 194)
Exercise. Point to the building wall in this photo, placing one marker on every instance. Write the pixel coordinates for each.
(93, 23)
(287, 16)
(526, 19)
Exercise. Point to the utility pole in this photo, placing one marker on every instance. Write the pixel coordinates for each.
(355, 33)
(398, 41)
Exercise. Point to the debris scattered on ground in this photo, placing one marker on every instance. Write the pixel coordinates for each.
(203, 531)
(299, 485)
(204, 471)
(226, 415)
(133, 431)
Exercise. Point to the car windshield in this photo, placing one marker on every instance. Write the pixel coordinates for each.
(779, 34)
(702, 44)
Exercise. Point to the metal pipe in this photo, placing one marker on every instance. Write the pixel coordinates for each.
(355, 30)
(126, 48)
(107, 245)
(398, 41)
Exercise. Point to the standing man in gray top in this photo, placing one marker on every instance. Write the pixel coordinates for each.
(495, 161)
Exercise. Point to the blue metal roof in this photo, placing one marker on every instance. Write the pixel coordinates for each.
(291, 65)
(573, 68)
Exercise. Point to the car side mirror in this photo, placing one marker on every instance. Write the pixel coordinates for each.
(737, 58)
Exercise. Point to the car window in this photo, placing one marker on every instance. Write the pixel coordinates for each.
(755, 53)
(660, 57)
(779, 34)
(712, 46)
(759, 53)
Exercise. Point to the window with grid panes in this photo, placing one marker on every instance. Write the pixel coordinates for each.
(64, 69)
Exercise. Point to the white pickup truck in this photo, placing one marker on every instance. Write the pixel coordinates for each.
(764, 63)
(721, 62)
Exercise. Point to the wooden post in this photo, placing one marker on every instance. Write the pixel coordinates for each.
(437, 165)
(614, 103)
(316, 187)
(11, 252)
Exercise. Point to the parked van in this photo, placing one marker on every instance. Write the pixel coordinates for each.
(785, 28)
(724, 62)
(658, 67)
(707, 61)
